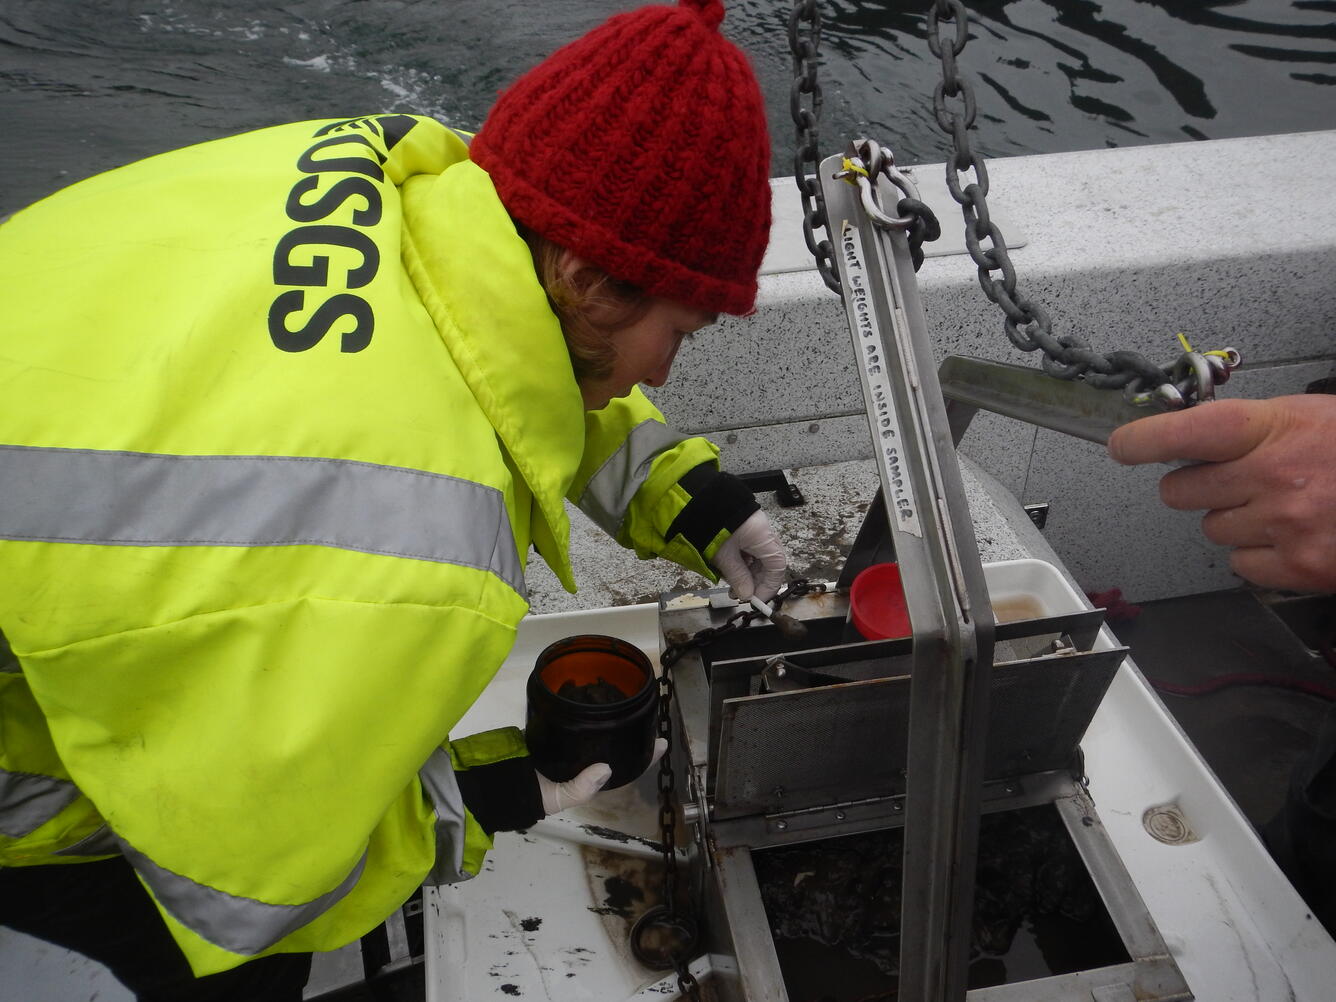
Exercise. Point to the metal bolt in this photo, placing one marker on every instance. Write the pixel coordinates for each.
(1038, 513)
(781, 825)
(731, 438)
(813, 428)
(839, 815)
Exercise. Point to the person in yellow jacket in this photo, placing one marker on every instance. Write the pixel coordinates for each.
(283, 415)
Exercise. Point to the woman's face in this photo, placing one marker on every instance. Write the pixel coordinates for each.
(645, 350)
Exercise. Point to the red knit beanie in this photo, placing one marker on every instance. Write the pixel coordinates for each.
(642, 147)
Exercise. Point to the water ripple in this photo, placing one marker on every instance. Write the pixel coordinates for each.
(94, 85)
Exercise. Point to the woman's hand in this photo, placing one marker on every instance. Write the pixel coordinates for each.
(752, 560)
(558, 797)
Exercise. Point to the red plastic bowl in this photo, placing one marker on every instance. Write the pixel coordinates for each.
(877, 603)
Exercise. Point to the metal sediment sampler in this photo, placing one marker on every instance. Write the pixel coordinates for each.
(944, 587)
(786, 739)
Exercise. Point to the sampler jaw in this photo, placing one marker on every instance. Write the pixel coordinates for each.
(821, 749)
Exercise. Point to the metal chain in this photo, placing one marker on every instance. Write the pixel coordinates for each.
(805, 46)
(686, 981)
(676, 648)
(667, 917)
(668, 913)
(1028, 325)
(1190, 378)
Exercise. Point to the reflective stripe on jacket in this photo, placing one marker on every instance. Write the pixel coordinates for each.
(284, 413)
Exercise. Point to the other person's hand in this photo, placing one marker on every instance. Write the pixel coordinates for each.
(752, 560)
(1267, 481)
(558, 797)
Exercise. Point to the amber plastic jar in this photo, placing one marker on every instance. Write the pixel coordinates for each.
(592, 699)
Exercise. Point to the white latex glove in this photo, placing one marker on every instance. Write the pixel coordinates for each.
(753, 560)
(558, 797)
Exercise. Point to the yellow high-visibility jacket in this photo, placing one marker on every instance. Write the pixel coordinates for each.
(282, 415)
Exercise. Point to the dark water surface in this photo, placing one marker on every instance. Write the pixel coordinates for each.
(90, 84)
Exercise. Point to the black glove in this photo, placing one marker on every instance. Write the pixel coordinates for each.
(752, 560)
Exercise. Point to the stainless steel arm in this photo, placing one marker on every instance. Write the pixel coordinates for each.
(948, 603)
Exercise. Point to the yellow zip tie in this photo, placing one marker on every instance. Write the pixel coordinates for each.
(1183, 340)
(855, 168)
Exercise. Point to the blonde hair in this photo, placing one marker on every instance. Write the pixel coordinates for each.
(590, 304)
